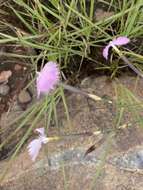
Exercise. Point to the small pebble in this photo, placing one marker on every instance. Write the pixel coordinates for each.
(4, 89)
(17, 67)
(4, 76)
(24, 97)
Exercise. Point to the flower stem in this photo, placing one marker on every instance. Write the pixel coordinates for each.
(86, 133)
(78, 91)
(129, 64)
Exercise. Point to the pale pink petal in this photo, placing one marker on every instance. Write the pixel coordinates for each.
(41, 131)
(122, 40)
(106, 51)
(47, 78)
(34, 148)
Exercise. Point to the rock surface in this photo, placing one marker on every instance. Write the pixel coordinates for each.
(24, 97)
(115, 164)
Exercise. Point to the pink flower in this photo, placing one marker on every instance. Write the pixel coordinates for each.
(47, 78)
(36, 144)
(118, 41)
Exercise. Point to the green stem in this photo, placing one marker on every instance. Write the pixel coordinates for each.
(78, 91)
(139, 73)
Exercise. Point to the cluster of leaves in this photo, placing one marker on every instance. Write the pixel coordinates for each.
(60, 30)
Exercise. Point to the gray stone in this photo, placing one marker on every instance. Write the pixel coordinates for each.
(4, 89)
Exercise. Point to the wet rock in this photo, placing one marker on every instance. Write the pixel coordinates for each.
(4, 89)
(24, 97)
